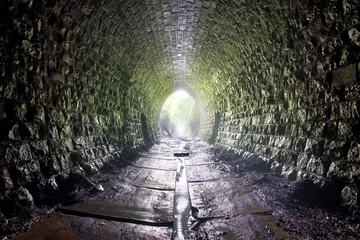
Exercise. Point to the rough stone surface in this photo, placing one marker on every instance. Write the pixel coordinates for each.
(287, 88)
(18, 202)
(345, 75)
(77, 77)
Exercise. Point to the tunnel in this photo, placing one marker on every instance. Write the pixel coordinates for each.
(277, 100)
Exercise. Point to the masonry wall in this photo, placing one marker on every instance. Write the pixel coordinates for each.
(71, 93)
(285, 77)
(207, 122)
(77, 77)
(294, 97)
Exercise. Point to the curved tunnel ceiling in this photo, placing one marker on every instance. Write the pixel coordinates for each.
(77, 77)
(219, 48)
(161, 44)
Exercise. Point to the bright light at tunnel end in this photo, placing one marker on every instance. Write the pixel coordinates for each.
(181, 93)
(178, 114)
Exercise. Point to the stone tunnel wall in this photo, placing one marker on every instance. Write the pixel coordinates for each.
(206, 122)
(72, 92)
(76, 77)
(285, 76)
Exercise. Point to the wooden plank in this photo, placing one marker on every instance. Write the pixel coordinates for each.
(138, 205)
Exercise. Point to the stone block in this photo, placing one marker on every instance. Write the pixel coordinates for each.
(283, 142)
(299, 144)
(300, 115)
(314, 146)
(319, 113)
(304, 130)
(335, 94)
(302, 161)
(336, 150)
(65, 162)
(315, 165)
(292, 130)
(355, 109)
(341, 111)
(344, 75)
(352, 92)
(39, 148)
(5, 180)
(25, 153)
(24, 173)
(354, 153)
(345, 130)
(264, 140)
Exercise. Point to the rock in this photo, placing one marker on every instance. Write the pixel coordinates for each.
(354, 36)
(50, 166)
(76, 158)
(5, 180)
(354, 153)
(349, 196)
(24, 173)
(47, 192)
(25, 152)
(78, 176)
(344, 76)
(17, 203)
(324, 192)
(314, 146)
(289, 172)
(259, 165)
(97, 188)
(315, 165)
(3, 222)
(87, 10)
(39, 148)
(108, 167)
(73, 185)
(14, 133)
(90, 168)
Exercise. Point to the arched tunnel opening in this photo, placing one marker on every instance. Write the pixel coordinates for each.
(270, 146)
(180, 115)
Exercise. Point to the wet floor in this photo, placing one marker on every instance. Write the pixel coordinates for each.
(182, 204)
(161, 196)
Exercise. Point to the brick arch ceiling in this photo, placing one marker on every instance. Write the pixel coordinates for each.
(283, 74)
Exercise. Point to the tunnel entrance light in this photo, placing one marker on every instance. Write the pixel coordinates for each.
(178, 114)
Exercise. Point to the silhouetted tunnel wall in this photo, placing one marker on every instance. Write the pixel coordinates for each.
(76, 77)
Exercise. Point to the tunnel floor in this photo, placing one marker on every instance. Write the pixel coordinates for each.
(227, 201)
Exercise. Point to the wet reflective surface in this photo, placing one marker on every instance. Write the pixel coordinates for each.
(160, 196)
(182, 207)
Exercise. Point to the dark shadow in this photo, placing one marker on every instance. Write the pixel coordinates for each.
(215, 128)
(326, 195)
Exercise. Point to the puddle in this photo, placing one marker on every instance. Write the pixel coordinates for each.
(265, 216)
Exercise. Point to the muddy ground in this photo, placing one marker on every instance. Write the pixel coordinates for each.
(230, 198)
